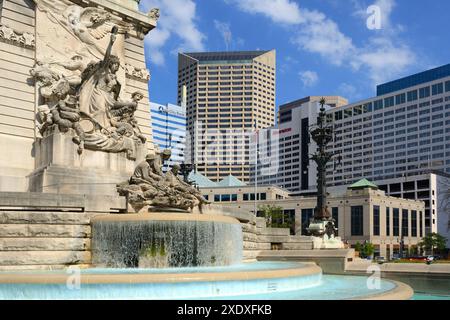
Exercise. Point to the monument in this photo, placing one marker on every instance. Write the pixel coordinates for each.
(75, 89)
(322, 226)
(91, 146)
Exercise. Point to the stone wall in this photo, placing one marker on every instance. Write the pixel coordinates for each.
(44, 240)
(17, 93)
(258, 238)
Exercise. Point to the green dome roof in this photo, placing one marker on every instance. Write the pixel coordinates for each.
(231, 181)
(201, 180)
(363, 184)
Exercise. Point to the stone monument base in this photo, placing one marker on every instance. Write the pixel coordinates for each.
(60, 169)
(326, 242)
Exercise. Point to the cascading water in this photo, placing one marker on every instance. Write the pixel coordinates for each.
(149, 243)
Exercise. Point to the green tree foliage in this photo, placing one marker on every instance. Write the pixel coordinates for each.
(433, 242)
(274, 216)
(365, 250)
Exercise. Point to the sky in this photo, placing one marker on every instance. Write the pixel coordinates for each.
(323, 47)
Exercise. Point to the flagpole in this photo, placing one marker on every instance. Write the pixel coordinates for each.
(256, 170)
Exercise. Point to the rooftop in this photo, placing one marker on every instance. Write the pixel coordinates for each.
(231, 181)
(201, 180)
(225, 56)
(363, 184)
(414, 80)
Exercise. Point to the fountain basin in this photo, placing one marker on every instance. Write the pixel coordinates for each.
(260, 281)
(165, 239)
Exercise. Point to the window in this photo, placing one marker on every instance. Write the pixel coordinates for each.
(378, 105)
(376, 220)
(421, 233)
(447, 86)
(437, 89)
(389, 102)
(307, 214)
(405, 223)
(413, 223)
(335, 216)
(400, 99)
(424, 92)
(388, 221)
(357, 221)
(338, 115)
(412, 95)
(396, 218)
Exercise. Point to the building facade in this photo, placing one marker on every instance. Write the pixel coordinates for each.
(361, 214)
(402, 131)
(229, 95)
(169, 129)
(397, 136)
(291, 146)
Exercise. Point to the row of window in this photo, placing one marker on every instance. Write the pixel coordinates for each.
(234, 197)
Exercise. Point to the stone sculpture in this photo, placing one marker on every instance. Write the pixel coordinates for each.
(154, 13)
(85, 101)
(24, 39)
(148, 187)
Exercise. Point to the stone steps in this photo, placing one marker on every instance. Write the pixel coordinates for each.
(44, 257)
(44, 240)
(44, 230)
(44, 244)
(45, 217)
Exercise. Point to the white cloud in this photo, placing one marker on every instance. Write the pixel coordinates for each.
(383, 56)
(322, 36)
(280, 11)
(383, 59)
(225, 31)
(386, 9)
(309, 78)
(177, 18)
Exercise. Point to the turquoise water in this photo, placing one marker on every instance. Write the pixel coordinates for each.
(330, 288)
(424, 296)
(310, 287)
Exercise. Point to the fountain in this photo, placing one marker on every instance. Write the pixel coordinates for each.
(152, 236)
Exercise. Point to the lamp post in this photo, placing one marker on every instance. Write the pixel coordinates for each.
(322, 134)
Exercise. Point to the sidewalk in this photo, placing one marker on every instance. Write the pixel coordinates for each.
(417, 268)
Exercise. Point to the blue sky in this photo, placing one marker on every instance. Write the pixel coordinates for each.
(323, 47)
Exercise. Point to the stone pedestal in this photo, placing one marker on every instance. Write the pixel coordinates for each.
(326, 242)
(60, 169)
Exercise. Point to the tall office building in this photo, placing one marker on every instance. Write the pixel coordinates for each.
(169, 129)
(402, 133)
(399, 139)
(291, 146)
(229, 95)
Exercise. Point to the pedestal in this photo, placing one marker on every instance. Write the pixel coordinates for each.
(60, 169)
(326, 242)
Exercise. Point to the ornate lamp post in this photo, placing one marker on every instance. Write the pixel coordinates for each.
(185, 169)
(322, 134)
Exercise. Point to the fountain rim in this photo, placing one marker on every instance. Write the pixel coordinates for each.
(401, 291)
(163, 216)
(304, 269)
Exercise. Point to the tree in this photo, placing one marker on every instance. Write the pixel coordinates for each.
(433, 241)
(274, 216)
(365, 250)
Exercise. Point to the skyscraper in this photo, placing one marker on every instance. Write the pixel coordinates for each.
(229, 95)
(169, 123)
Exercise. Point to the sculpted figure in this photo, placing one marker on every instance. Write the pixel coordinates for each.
(150, 187)
(66, 115)
(173, 180)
